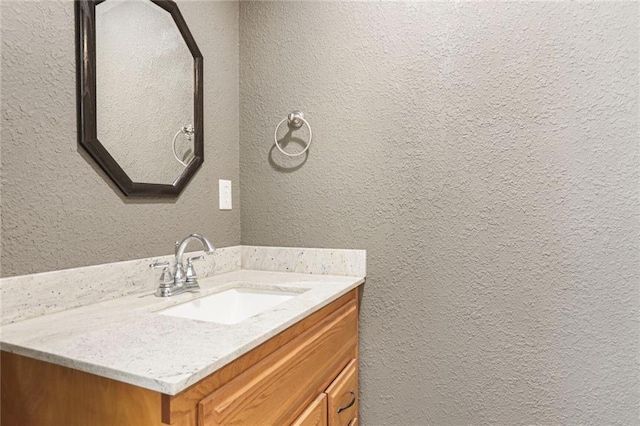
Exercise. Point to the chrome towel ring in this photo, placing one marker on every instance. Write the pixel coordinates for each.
(188, 131)
(296, 119)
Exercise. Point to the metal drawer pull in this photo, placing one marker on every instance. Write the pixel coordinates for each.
(349, 405)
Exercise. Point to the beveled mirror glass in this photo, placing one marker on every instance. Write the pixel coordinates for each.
(140, 94)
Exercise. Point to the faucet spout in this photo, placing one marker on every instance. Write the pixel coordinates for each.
(181, 281)
(180, 248)
(179, 277)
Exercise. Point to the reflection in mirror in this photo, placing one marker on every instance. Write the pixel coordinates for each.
(187, 151)
(144, 90)
(140, 94)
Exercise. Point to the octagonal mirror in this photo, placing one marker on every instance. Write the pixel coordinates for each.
(140, 94)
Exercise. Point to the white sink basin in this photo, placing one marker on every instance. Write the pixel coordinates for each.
(230, 306)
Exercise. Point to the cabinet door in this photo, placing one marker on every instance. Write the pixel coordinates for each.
(276, 389)
(342, 397)
(315, 414)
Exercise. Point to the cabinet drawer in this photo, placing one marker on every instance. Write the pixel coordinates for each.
(315, 414)
(342, 397)
(278, 388)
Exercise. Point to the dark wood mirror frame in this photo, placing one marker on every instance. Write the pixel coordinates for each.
(86, 88)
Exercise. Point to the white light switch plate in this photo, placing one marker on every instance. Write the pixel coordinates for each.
(225, 194)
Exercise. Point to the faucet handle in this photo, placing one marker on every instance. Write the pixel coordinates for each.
(191, 272)
(166, 278)
(191, 259)
(156, 265)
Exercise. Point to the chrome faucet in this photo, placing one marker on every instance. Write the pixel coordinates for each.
(180, 280)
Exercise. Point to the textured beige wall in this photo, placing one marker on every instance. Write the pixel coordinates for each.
(486, 156)
(58, 210)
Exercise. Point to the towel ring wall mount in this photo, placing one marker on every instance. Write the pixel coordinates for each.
(295, 120)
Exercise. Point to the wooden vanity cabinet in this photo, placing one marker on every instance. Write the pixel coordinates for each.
(338, 405)
(302, 376)
(342, 397)
(315, 414)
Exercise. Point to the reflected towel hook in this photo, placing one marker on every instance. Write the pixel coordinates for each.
(296, 120)
(186, 130)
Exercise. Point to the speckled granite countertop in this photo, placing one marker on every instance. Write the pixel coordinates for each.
(126, 340)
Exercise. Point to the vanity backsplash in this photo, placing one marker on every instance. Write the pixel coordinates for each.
(29, 296)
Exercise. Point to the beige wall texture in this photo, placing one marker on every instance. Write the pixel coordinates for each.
(58, 209)
(486, 156)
